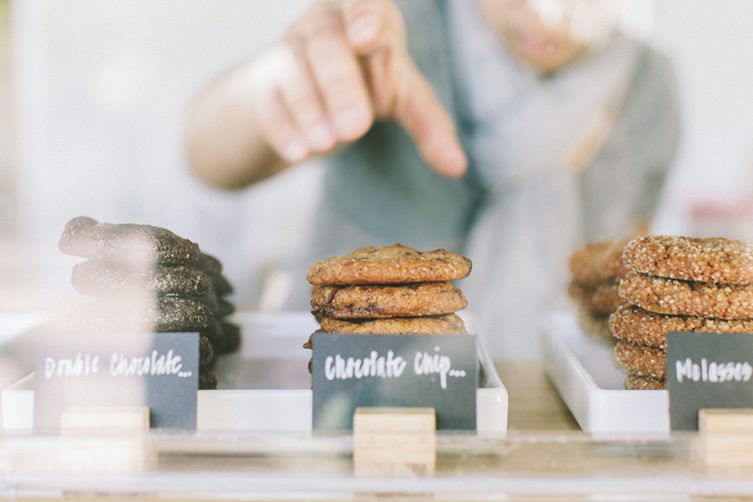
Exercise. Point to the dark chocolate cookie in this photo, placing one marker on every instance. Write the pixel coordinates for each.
(213, 267)
(231, 337)
(180, 314)
(139, 245)
(225, 336)
(209, 264)
(206, 353)
(207, 381)
(224, 308)
(97, 278)
(111, 315)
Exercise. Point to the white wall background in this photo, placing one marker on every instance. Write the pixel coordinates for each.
(101, 87)
(711, 44)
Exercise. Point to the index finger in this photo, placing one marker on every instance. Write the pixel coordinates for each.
(339, 80)
(431, 127)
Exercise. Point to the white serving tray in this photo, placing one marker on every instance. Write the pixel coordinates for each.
(266, 385)
(592, 385)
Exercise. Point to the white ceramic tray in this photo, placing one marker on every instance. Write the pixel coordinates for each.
(592, 385)
(266, 385)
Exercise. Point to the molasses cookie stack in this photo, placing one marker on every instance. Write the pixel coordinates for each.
(679, 284)
(144, 276)
(596, 269)
(389, 290)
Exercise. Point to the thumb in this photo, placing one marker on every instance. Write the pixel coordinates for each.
(424, 118)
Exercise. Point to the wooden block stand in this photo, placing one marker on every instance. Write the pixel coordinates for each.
(394, 441)
(104, 439)
(727, 439)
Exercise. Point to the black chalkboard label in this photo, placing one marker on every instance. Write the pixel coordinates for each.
(158, 370)
(349, 371)
(707, 370)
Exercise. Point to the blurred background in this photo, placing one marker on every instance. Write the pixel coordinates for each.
(93, 95)
(99, 90)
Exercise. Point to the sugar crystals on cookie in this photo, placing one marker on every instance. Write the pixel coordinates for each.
(679, 284)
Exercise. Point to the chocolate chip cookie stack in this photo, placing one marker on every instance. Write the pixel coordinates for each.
(596, 269)
(174, 278)
(679, 284)
(389, 290)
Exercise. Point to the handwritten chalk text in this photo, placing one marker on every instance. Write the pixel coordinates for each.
(713, 372)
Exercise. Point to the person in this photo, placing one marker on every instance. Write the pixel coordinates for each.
(508, 130)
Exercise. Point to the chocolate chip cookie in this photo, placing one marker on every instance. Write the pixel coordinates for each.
(395, 264)
(449, 324)
(409, 300)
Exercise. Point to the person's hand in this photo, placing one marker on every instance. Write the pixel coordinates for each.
(339, 67)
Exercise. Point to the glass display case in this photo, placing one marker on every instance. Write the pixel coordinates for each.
(93, 110)
(543, 456)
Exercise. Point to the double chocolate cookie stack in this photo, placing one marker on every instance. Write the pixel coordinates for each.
(389, 290)
(224, 334)
(679, 284)
(149, 277)
(596, 269)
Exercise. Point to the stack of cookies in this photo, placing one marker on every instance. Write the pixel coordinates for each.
(389, 290)
(176, 281)
(679, 284)
(596, 269)
(224, 334)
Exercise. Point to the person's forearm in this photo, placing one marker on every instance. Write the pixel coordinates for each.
(224, 143)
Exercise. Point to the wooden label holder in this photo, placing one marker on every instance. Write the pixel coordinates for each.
(394, 441)
(726, 438)
(105, 419)
(104, 439)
